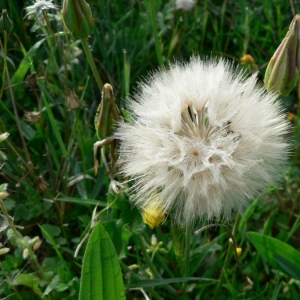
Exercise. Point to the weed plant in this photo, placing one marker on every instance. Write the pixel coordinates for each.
(49, 98)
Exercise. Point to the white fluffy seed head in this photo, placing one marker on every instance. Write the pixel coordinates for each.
(185, 5)
(203, 138)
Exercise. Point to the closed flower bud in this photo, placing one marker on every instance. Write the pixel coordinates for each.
(37, 245)
(282, 72)
(4, 251)
(78, 17)
(25, 253)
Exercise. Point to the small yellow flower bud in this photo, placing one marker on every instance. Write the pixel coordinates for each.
(37, 244)
(282, 72)
(247, 59)
(78, 18)
(153, 215)
(238, 251)
(133, 267)
(291, 116)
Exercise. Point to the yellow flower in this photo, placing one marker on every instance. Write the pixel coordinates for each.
(238, 251)
(291, 116)
(153, 215)
(247, 59)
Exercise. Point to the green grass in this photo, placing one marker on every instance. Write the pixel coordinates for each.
(130, 39)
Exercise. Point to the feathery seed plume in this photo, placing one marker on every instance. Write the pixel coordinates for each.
(203, 138)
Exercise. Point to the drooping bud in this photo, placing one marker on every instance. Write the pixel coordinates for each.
(5, 22)
(78, 18)
(283, 69)
(72, 100)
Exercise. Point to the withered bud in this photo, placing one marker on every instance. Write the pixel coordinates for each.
(37, 245)
(40, 184)
(32, 117)
(31, 80)
(72, 100)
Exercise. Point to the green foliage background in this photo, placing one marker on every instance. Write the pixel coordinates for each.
(49, 170)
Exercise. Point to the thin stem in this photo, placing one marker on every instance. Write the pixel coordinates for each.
(151, 265)
(228, 255)
(155, 33)
(92, 63)
(13, 100)
(59, 46)
(160, 260)
(9, 220)
(4, 49)
(186, 256)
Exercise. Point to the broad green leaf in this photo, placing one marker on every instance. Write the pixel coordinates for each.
(288, 267)
(29, 280)
(101, 277)
(279, 254)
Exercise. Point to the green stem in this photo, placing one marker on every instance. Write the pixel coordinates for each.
(294, 228)
(9, 220)
(155, 32)
(186, 256)
(4, 49)
(228, 255)
(92, 63)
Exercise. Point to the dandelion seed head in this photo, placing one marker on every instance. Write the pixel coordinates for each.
(204, 138)
(39, 6)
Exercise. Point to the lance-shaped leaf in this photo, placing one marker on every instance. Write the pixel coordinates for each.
(101, 277)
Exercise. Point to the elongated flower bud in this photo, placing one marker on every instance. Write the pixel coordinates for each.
(78, 17)
(5, 22)
(283, 69)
